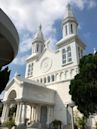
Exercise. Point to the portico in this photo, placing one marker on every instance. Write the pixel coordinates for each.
(34, 106)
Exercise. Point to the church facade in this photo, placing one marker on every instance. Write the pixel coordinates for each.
(43, 95)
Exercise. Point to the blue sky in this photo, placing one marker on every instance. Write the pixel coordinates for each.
(28, 15)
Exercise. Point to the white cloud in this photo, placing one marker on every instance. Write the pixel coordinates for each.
(28, 14)
(25, 45)
(20, 60)
(92, 4)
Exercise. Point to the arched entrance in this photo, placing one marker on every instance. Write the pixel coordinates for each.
(9, 108)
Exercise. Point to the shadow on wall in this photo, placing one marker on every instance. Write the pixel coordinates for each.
(62, 112)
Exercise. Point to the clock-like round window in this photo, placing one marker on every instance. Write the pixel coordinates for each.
(46, 64)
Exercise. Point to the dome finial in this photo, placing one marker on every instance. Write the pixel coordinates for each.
(39, 35)
(68, 6)
(69, 11)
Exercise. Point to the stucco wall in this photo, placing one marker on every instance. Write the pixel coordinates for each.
(38, 94)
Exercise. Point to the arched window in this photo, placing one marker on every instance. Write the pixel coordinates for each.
(53, 79)
(69, 56)
(37, 48)
(48, 78)
(66, 74)
(80, 52)
(71, 28)
(45, 80)
(41, 48)
(30, 69)
(63, 56)
(66, 29)
(41, 80)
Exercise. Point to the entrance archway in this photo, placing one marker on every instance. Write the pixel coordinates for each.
(13, 106)
(8, 105)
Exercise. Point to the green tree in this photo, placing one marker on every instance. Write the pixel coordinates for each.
(4, 78)
(83, 87)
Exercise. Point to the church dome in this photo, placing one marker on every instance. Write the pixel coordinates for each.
(39, 35)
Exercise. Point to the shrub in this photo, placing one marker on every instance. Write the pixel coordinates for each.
(96, 125)
(80, 122)
(56, 124)
(10, 123)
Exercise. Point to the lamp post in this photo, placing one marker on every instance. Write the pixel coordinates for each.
(71, 105)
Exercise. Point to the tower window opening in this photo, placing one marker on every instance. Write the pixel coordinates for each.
(41, 80)
(48, 78)
(69, 56)
(66, 29)
(37, 47)
(41, 48)
(30, 69)
(80, 52)
(63, 56)
(71, 28)
(45, 80)
(53, 79)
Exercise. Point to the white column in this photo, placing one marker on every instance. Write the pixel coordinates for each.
(5, 113)
(48, 114)
(70, 106)
(19, 113)
(23, 115)
(35, 115)
(72, 118)
(38, 113)
(31, 113)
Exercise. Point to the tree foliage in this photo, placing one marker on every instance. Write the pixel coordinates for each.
(4, 77)
(83, 87)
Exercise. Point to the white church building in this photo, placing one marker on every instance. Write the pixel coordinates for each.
(43, 95)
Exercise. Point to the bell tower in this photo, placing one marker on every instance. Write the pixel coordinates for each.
(71, 45)
(70, 24)
(38, 42)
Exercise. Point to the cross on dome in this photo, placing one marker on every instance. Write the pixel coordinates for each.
(39, 35)
(69, 12)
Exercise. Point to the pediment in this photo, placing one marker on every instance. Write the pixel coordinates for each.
(12, 82)
(46, 52)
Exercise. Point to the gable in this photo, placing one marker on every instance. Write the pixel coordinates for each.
(13, 85)
(46, 63)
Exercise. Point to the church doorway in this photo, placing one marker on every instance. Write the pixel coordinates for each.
(43, 115)
(12, 105)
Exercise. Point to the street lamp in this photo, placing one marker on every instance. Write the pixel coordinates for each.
(71, 105)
